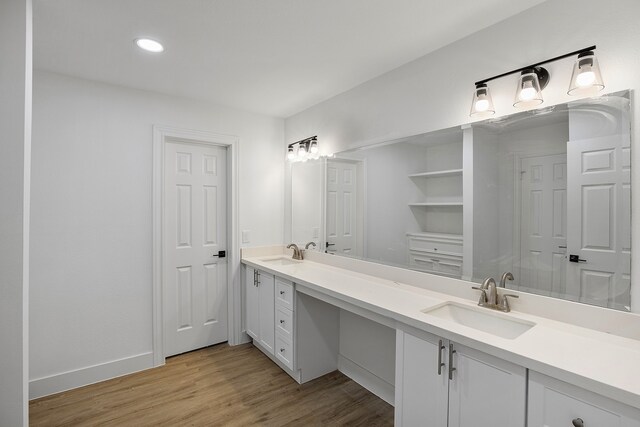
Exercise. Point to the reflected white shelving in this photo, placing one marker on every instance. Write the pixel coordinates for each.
(437, 174)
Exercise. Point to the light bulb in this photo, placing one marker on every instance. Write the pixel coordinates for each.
(482, 105)
(314, 148)
(302, 151)
(528, 92)
(290, 154)
(586, 78)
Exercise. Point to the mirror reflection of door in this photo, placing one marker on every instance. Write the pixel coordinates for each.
(543, 231)
(599, 232)
(344, 220)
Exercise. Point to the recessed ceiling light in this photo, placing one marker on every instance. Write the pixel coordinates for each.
(149, 45)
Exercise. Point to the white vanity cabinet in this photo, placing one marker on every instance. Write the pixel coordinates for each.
(259, 308)
(553, 403)
(440, 383)
(298, 332)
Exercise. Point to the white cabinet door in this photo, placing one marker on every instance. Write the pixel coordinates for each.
(266, 287)
(252, 304)
(421, 390)
(553, 403)
(485, 391)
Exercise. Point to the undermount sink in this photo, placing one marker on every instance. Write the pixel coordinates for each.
(280, 261)
(482, 319)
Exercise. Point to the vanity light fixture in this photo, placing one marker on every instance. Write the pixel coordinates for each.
(585, 80)
(303, 150)
(149, 45)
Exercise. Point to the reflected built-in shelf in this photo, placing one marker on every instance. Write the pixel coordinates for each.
(436, 203)
(437, 174)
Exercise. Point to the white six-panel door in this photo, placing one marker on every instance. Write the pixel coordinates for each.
(194, 230)
(599, 177)
(543, 235)
(342, 214)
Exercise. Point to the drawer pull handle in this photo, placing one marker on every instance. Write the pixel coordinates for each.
(281, 321)
(577, 422)
(451, 368)
(281, 292)
(440, 362)
(282, 350)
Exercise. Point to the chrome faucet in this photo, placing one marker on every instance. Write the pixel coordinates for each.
(505, 276)
(297, 253)
(490, 298)
(310, 244)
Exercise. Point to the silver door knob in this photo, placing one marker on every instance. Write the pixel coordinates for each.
(577, 422)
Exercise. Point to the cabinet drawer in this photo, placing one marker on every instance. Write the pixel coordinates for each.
(284, 322)
(451, 268)
(284, 294)
(436, 263)
(423, 262)
(555, 403)
(418, 244)
(284, 351)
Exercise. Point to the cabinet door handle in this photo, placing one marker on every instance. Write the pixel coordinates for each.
(451, 368)
(577, 422)
(281, 292)
(440, 362)
(281, 321)
(282, 350)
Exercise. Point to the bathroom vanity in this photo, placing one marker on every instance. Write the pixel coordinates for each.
(456, 364)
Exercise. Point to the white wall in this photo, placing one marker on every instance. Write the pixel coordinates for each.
(434, 92)
(15, 126)
(92, 207)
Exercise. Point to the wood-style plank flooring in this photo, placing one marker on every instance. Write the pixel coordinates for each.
(215, 386)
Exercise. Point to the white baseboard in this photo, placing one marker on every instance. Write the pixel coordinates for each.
(57, 383)
(367, 379)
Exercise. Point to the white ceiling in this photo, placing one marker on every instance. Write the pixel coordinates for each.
(275, 57)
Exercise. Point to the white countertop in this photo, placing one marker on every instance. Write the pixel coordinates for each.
(602, 363)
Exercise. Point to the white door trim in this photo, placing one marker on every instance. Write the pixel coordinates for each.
(160, 135)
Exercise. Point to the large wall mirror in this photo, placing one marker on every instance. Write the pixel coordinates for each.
(543, 194)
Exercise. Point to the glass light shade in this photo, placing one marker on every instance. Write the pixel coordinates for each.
(528, 93)
(482, 103)
(314, 147)
(586, 79)
(290, 154)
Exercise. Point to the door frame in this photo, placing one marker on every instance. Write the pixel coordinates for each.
(161, 135)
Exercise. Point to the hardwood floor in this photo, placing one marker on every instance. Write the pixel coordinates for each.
(215, 386)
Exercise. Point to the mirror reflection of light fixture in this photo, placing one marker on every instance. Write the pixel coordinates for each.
(482, 103)
(530, 85)
(586, 80)
(303, 150)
